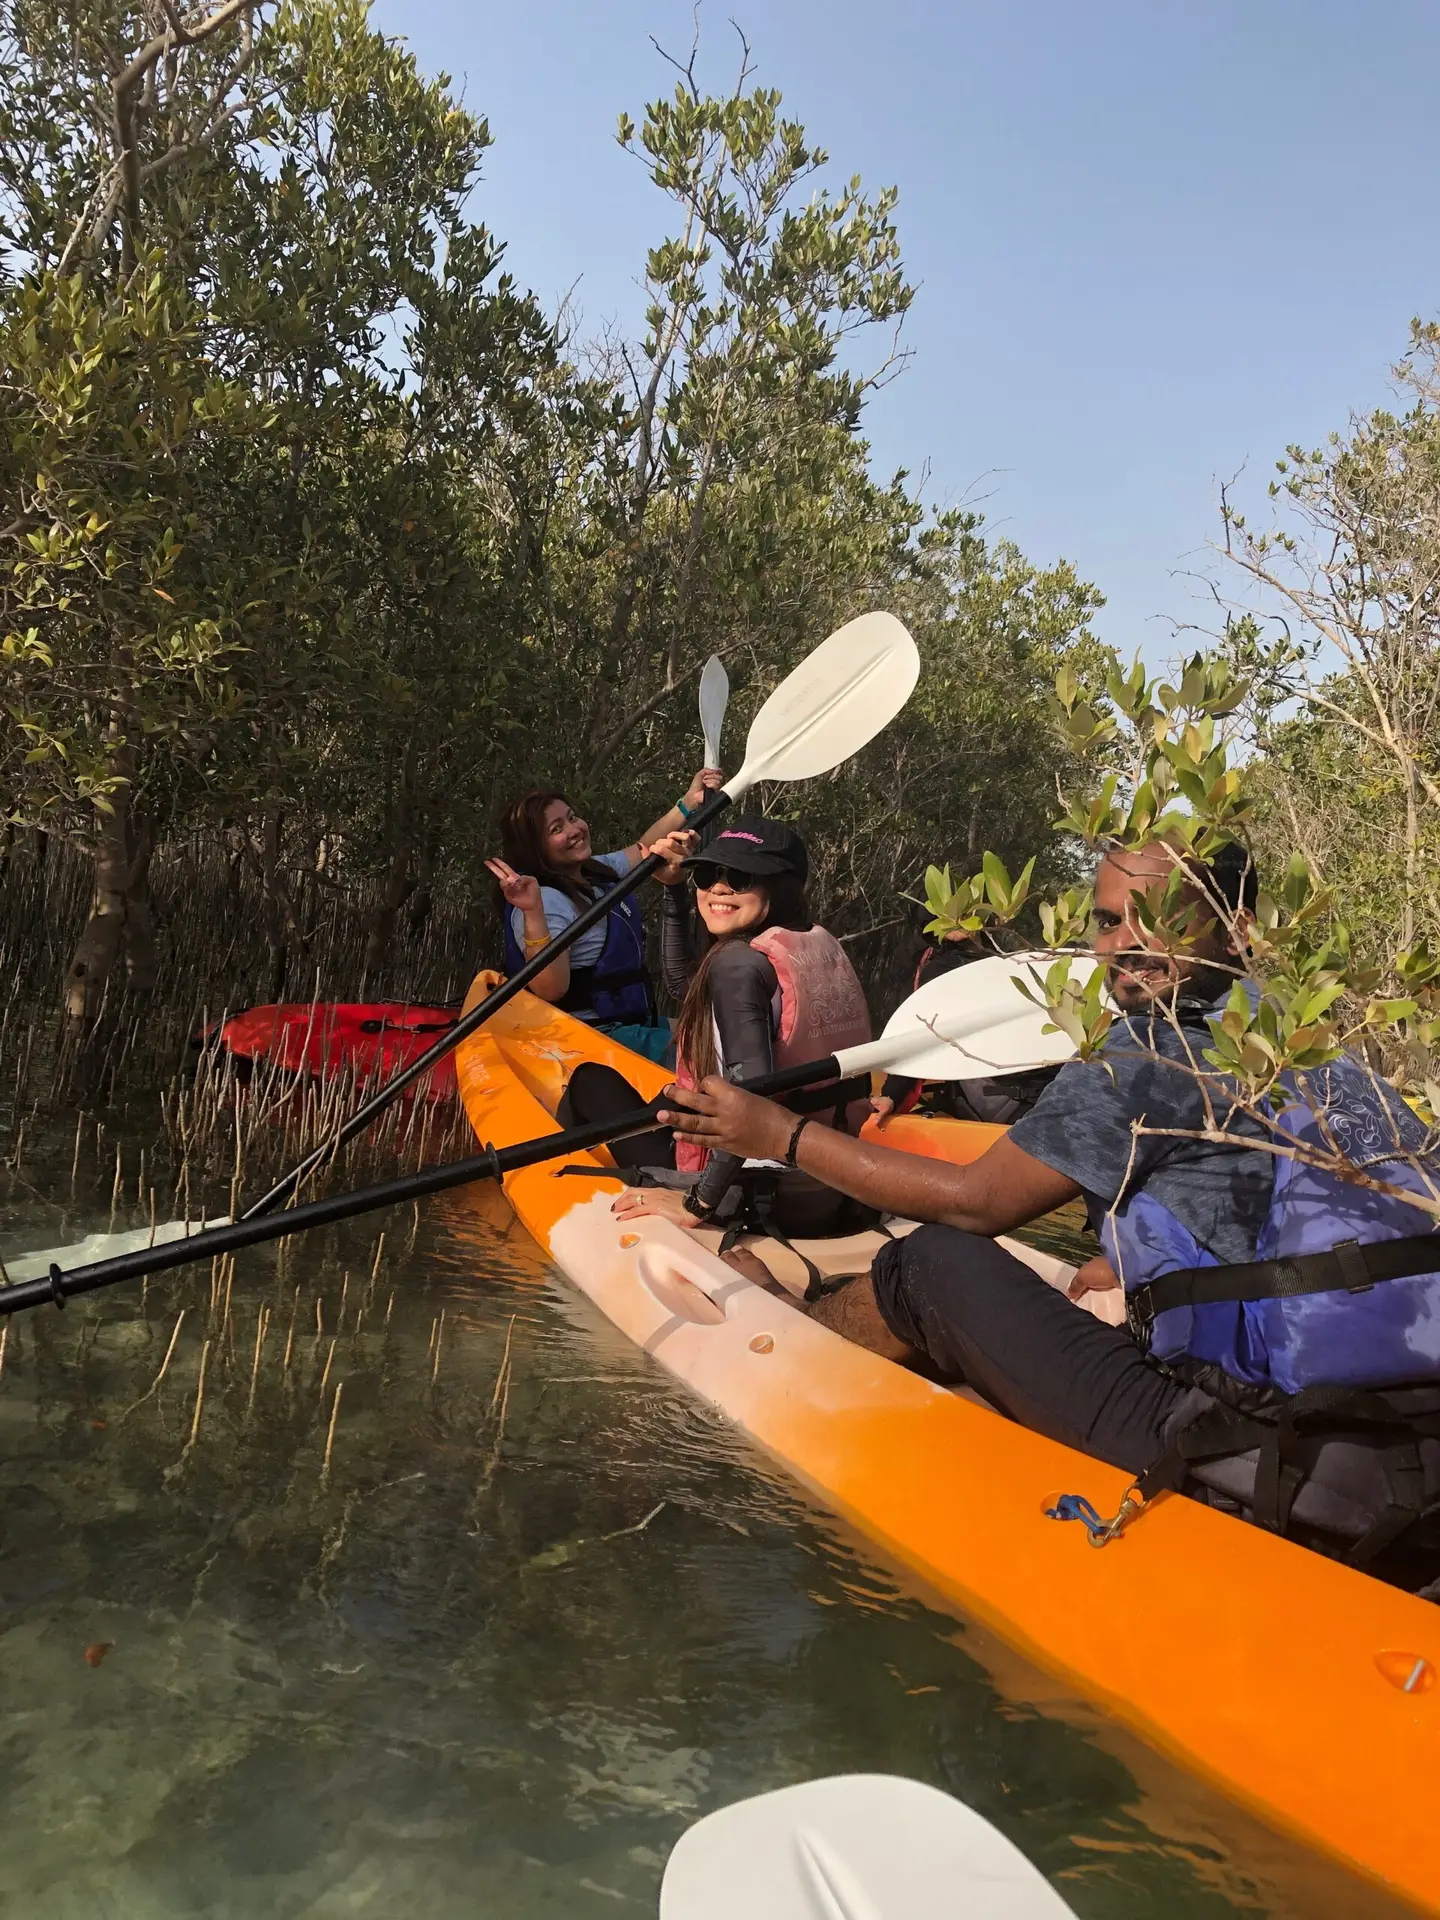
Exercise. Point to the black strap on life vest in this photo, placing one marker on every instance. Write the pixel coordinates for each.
(1392, 1425)
(1349, 1267)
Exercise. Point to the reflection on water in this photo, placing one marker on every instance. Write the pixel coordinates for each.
(539, 1613)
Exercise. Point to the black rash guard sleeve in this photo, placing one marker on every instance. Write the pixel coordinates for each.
(743, 985)
(678, 955)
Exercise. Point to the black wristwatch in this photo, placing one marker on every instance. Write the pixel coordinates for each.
(695, 1206)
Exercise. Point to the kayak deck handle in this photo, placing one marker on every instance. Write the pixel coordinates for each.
(664, 1279)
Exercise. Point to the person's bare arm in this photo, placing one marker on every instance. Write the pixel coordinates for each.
(706, 782)
(1003, 1189)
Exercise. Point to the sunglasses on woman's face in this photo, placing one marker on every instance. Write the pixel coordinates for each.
(705, 873)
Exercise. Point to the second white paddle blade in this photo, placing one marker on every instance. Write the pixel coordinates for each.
(834, 703)
(981, 1023)
(714, 699)
(857, 1847)
(104, 1246)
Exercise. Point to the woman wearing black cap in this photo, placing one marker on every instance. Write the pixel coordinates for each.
(760, 986)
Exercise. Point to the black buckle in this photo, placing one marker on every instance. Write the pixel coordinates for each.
(57, 1292)
(1140, 1317)
(1353, 1271)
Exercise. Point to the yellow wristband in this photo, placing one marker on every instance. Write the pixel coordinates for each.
(543, 941)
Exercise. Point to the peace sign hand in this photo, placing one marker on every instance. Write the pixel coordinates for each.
(520, 889)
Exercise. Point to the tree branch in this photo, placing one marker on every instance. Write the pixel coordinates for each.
(187, 32)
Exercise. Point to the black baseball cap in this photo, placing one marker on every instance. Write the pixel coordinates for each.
(752, 844)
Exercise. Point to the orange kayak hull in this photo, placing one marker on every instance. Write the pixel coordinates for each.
(1306, 1691)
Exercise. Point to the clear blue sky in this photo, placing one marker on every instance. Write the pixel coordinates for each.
(1155, 240)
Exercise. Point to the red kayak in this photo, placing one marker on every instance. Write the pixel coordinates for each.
(369, 1041)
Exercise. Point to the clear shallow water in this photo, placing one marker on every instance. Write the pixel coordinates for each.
(542, 1612)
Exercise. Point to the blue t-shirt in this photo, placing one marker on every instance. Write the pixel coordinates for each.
(1081, 1126)
(560, 910)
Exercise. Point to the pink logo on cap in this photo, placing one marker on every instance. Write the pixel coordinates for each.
(753, 837)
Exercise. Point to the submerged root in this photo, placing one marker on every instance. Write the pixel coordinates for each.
(564, 1551)
(262, 1327)
(154, 1386)
(499, 1408)
(173, 1472)
(330, 1432)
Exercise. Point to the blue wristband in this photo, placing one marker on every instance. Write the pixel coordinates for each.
(684, 811)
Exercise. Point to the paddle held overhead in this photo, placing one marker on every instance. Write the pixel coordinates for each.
(835, 702)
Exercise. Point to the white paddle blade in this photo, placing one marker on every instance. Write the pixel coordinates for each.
(857, 1847)
(834, 703)
(972, 1022)
(714, 699)
(104, 1246)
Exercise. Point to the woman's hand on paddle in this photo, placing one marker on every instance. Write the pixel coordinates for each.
(708, 780)
(520, 889)
(663, 1203)
(720, 1116)
(672, 849)
(882, 1106)
(1096, 1276)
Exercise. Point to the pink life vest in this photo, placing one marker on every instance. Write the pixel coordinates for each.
(822, 1009)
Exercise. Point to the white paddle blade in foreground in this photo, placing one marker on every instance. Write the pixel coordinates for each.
(834, 703)
(861, 1846)
(972, 1022)
(714, 699)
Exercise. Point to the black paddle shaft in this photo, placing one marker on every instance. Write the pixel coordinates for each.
(385, 1096)
(493, 1164)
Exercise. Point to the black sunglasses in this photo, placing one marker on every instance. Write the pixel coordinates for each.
(706, 872)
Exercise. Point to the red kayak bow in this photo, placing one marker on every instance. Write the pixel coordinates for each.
(368, 1041)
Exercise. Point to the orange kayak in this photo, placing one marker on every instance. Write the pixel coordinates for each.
(1305, 1690)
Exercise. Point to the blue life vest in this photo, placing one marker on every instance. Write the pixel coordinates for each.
(617, 987)
(1335, 1297)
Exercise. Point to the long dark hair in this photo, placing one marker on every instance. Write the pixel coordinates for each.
(522, 846)
(785, 906)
